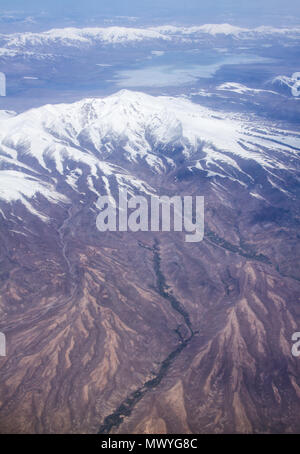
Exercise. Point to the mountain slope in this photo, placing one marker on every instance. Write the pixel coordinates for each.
(109, 137)
(121, 332)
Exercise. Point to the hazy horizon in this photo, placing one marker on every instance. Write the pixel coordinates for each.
(243, 12)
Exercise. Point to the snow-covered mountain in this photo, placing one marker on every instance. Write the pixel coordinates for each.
(289, 83)
(242, 89)
(101, 325)
(97, 144)
(83, 37)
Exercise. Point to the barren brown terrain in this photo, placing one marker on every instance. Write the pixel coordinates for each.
(144, 333)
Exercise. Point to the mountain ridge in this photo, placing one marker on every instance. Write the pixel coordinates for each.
(110, 138)
(71, 36)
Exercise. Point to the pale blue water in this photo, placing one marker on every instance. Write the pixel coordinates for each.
(180, 68)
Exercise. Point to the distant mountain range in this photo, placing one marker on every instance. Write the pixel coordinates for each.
(83, 37)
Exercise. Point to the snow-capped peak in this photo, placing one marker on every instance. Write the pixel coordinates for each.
(133, 119)
(100, 139)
